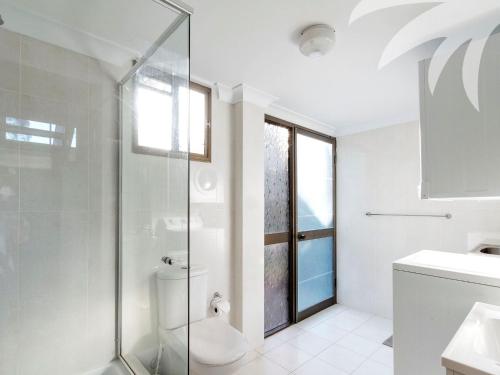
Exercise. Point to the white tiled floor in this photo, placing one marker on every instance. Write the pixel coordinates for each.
(337, 341)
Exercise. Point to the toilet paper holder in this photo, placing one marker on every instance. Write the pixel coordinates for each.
(219, 305)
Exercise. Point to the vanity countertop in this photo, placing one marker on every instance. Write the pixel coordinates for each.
(470, 267)
(474, 348)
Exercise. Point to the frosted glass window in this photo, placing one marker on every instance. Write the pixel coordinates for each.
(277, 188)
(315, 272)
(314, 183)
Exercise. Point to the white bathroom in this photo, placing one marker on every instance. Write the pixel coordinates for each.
(228, 187)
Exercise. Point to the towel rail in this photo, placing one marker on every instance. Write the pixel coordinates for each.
(444, 216)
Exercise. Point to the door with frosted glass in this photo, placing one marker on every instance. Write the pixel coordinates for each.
(277, 239)
(315, 223)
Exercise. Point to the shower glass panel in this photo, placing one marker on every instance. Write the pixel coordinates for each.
(154, 204)
(61, 62)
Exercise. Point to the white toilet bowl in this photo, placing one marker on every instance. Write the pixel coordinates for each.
(215, 347)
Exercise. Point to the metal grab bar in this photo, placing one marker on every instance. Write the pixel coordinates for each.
(445, 216)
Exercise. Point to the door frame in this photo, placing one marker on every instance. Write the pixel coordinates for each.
(295, 129)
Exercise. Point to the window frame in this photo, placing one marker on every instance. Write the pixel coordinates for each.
(146, 150)
(206, 157)
(207, 92)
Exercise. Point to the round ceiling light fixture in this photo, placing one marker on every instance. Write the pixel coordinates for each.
(317, 40)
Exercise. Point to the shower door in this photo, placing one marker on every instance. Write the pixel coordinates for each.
(154, 201)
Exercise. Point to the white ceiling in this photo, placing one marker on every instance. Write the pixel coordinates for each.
(254, 42)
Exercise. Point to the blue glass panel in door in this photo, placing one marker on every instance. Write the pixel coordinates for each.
(315, 272)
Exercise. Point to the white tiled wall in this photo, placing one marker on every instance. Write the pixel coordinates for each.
(57, 212)
(154, 190)
(379, 171)
(211, 205)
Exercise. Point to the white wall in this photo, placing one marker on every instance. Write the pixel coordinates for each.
(211, 206)
(379, 171)
(249, 221)
(58, 209)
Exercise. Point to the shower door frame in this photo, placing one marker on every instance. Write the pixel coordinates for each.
(295, 315)
(185, 12)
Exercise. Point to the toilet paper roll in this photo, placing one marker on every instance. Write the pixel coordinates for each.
(220, 306)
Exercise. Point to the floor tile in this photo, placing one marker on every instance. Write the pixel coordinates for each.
(288, 356)
(249, 357)
(321, 316)
(261, 366)
(310, 343)
(270, 344)
(336, 341)
(329, 332)
(376, 329)
(358, 345)
(380, 323)
(312, 321)
(341, 358)
(384, 355)
(318, 367)
(373, 368)
(349, 319)
(332, 311)
(288, 333)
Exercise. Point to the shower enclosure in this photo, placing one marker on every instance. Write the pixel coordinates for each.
(93, 183)
(154, 198)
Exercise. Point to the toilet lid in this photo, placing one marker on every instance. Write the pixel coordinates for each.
(214, 342)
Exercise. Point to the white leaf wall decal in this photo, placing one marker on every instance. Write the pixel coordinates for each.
(456, 21)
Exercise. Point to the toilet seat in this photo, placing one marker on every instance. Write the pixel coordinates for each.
(213, 342)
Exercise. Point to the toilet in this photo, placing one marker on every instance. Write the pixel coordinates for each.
(215, 347)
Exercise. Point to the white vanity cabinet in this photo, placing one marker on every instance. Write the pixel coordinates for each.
(460, 146)
(433, 294)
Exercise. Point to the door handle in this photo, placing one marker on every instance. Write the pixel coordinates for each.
(301, 236)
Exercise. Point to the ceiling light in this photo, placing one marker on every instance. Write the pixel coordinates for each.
(317, 40)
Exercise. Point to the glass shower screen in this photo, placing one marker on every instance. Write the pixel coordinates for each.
(154, 204)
